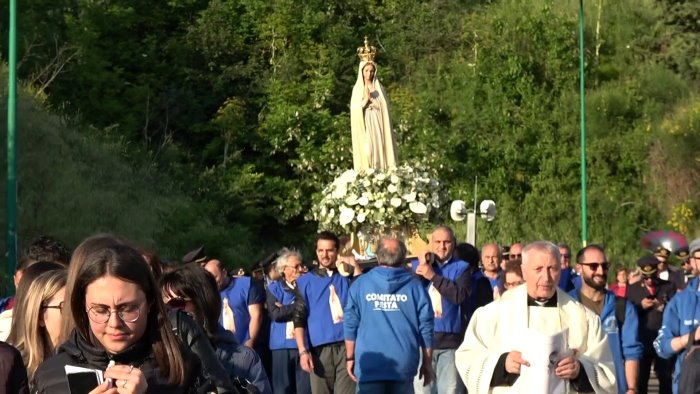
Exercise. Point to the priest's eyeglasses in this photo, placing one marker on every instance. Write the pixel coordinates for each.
(101, 314)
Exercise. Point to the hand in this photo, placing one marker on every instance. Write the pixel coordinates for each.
(278, 304)
(306, 363)
(568, 367)
(249, 343)
(513, 362)
(351, 261)
(648, 303)
(350, 365)
(104, 388)
(426, 373)
(425, 270)
(127, 379)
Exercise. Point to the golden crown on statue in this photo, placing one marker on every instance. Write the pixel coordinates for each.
(367, 52)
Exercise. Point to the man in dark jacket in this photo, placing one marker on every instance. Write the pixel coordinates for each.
(650, 296)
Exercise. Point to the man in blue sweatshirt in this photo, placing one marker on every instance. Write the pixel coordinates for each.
(388, 317)
(318, 319)
(448, 281)
(681, 316)
(622, 330)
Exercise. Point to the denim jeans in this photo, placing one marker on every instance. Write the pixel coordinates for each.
(446, 380)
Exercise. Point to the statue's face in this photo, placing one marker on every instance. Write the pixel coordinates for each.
(368, 72)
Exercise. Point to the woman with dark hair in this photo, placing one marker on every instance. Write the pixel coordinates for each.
(189, 332)
(119, 317)
(194, 290)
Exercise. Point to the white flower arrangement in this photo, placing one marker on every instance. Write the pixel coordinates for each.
(377, 201)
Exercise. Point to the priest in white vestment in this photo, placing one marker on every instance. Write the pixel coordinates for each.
(490, 358)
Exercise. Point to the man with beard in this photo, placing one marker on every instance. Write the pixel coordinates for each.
(650, 295)
(318, 319)
(618, 316)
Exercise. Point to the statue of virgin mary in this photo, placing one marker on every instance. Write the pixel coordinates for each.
(373, 143)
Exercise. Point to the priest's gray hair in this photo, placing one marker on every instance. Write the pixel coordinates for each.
(283, 259)
(541, 246)
(390, 255)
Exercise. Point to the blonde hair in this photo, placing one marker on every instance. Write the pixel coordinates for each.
(27, 334)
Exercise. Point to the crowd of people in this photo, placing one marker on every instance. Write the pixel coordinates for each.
(452, 320)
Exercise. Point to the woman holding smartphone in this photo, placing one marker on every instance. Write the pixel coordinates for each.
(120, 317)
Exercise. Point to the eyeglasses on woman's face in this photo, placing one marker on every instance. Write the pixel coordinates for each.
(101, 314)
(58, 306)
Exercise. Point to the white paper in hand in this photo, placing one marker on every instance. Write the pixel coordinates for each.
(543, 352)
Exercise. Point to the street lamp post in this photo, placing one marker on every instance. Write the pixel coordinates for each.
(11, 197)
(584, 213)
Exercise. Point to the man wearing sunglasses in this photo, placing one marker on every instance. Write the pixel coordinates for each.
(618, 316)
(650, 295)
(680, 320)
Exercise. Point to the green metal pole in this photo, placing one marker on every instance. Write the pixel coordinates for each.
(11, 202)
(584, 213)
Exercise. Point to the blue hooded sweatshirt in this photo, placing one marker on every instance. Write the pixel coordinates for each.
(389, 316)
(625, 346)
(681, 314)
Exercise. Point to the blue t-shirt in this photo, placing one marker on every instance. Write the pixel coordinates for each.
(325, 296)
(240, 292)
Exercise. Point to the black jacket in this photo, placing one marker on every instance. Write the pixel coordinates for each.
(193, 336)
(650, 319)
(13, 374)
(50, 377)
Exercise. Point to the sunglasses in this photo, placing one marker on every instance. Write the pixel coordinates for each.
(594, 266)
(178, 302)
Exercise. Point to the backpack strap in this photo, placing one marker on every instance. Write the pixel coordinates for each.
(620, 309)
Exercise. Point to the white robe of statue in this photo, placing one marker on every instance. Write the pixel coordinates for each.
(373, 144)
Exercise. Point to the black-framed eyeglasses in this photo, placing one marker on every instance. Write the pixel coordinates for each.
(594, 266)
(59, 306)
(515, 256)
(101, 314)
(566, 256)
(178, 302)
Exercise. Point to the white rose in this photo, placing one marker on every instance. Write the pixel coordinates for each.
(380, 177)
(361, 218)
(379, 203)
(351, 199)
(392, 188)
(363, 201)
(394, 179)
(418, 207)
(339, 191)
(331, 213)
(395, 202)
(410, 197)
(366, 183)
(346, 216)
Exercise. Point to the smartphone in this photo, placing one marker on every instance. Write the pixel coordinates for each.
(82, 380)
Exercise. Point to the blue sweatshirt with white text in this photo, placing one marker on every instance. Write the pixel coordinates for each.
(389, 316)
